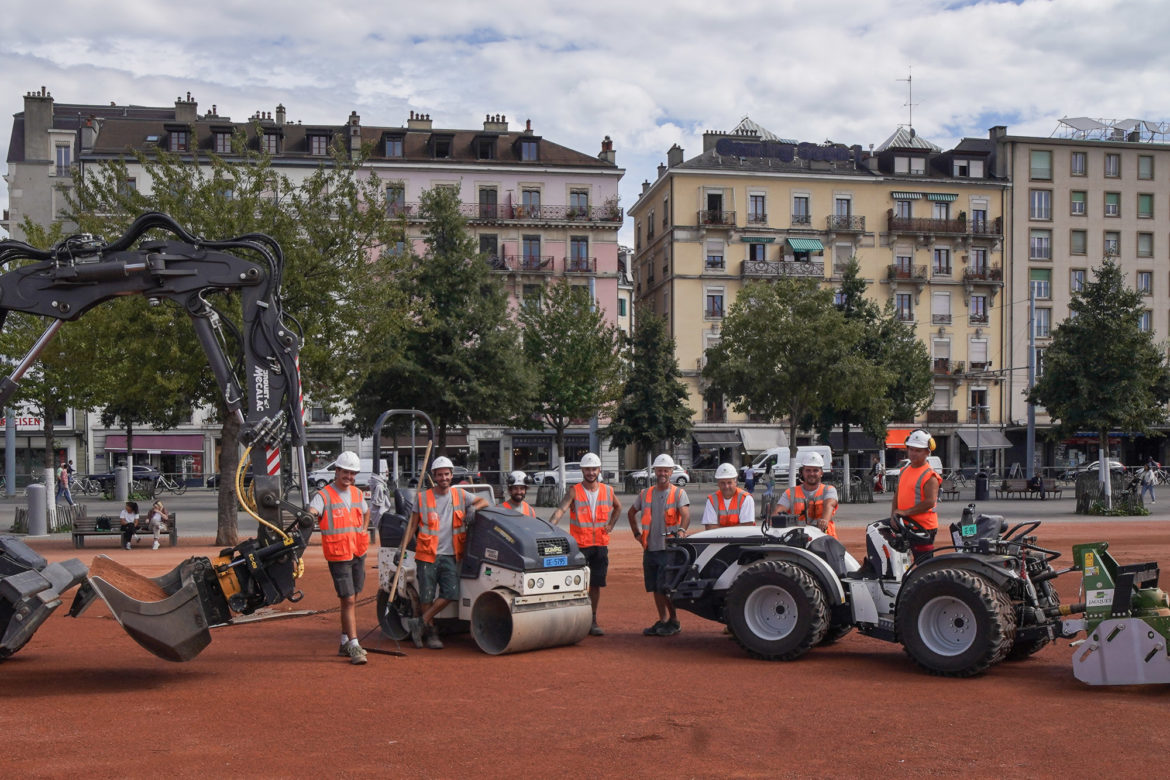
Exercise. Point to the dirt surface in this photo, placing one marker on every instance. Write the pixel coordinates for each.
(125, 579)
(273, 699)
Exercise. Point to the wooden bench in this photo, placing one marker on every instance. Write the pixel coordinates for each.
(949, 489)
(1012, 488)
(86, 526)
(1053, 492)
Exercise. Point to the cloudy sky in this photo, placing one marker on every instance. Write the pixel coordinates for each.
(647, 74)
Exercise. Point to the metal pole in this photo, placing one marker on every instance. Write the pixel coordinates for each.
(1031, 438)
(10, 452)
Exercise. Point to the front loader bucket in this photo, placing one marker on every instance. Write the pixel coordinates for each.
(169, 615)
(30, 590)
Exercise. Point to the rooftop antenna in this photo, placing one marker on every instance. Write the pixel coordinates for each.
(910, 92)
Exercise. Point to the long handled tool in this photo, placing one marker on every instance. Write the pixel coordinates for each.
(409, 525)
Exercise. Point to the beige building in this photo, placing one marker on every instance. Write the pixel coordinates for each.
(926, 226)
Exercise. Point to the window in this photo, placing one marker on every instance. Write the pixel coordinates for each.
(757, 252)
(977, 310)
(1079, 164)
(1040, 245)
(940, 308)
(488, 203)
(1043, 324)
(977, 353)
(578, 204)
(903, 208)
(842, 207)
(179, 140)
(1076, 280)
(1041, 279)
(1145, 282)
(271, 143)
(714, 307)
(1145, 166)
(941, 350)
(1113, 204)
(1040, 204)
(942, 398)
(394, 146)
(489, 247)
(1077, 203)
(940, 210)
(395, 199)
(1145, 321)
(1145, 206)
(530, 247)
(904, 266)
(1145, 244)
(979, 220)
(979, 260)
(800, 212)
(1112, 165)
(715, 256)
(756, 210)
(127, 186)
(969, 168)
(839, 298)
(223, 143)
(532, 294)
(978, 410)
(904, 307)
(1112, 243)
(529, 151)
(1038, 361)
(485, 149)
(530, 205)
(942, 262)
(621, 307)
(319, 414)
(579, 253)
(318, 145)
(1077, 242)
(64, 156)
(1041, 165)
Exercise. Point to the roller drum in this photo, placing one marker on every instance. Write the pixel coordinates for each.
(501, 626)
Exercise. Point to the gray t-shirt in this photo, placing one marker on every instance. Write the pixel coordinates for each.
(658, 507)
(445, 509)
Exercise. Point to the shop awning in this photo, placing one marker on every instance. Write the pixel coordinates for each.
(757, 239)
(906, 195)
(896, 437)
(760, 439)
(728, 437)
(157, 442)
(806, 245)
(942, 197)
(989, 439)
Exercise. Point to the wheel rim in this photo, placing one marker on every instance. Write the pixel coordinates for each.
(947, 626)
(770, 612)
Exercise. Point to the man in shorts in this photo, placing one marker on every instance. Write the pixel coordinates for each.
(344, 520)
(593, 510)
(663, 508)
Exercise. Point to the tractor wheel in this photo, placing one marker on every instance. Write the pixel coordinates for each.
(776, 611)
(1023, 648)
(955, 623)
(391, 617)
(836, 632)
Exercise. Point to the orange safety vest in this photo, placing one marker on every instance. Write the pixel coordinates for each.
(728, 510)
(342, 537)
(523, 509)
(811, 506)
(590, 529)
(427, 545)
(670, 517)
(912, 489)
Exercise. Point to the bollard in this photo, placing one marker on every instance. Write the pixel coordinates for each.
(37, 506)
(122, 484)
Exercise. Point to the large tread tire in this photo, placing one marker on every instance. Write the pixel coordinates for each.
(776, 611)
(390, 617)
(1022, 649)
(835, 633)
(954, 623)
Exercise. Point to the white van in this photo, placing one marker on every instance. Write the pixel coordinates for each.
(322, 477)
(933, 460)
(775, 460)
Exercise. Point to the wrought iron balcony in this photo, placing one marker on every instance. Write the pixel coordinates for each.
(977, 319)
(942, 416)
(987, 227)
(940, 319)
(771, 269)
(802, 220)
(942, 365)
(498, 212)
(980, 414)
(580, 265)
(715, 218)
(940, 270)
(983, 273)
(916, 273)
(498, 263)
(925, 225)
(757, 218)
(713, 314)
(531, 264)
(846, 223)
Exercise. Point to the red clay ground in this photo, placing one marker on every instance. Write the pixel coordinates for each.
(272, 699)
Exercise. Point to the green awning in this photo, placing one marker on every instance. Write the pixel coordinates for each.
(757, 239)
(941, 197)
(906, 195)
(806, 245)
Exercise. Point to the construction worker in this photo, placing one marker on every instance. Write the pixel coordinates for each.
(730, 504)
(660, 509)
(442, 516)
(917, 492)
(593, 510)
(517, 490)
(344, 520)
(811, 499)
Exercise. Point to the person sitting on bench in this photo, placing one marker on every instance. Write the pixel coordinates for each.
(1036, 485)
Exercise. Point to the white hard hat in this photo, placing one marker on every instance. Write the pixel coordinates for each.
(663, 461)
(348, 461)
(442, 462)
(725, 471)
(517, 478)
(920, 439)
(589, 460)
(814, 459)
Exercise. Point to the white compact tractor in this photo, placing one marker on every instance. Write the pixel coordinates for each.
(785, 588)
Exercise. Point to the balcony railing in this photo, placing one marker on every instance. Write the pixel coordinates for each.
(979, 414)
(532, 264)
(580, 265)
(840, 222)
(775, 268)
(713, 314)
(715, 265)
(494, 212)
(983, 273)
(977, 319)
(717, 218)
(981, 366)
(914, 272)
(940, 270)
(940, 319)
(757, 218)
(802, 220)
(904, 315)
(942, 365)
(987, 227)
(942, 416)
(498, 263)
(981, 228)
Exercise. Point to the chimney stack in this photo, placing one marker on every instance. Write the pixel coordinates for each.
(674, 156)
(38, 120)
(186, 111)
(607, 152)
(280, 114)
(355, 135)
(528, 127)
(496, 124)
(418, 121)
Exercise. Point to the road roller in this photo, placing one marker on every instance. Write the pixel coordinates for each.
(523, 582)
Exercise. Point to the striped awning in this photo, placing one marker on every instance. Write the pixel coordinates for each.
(941, 197)
(806, 245)
(906, 195)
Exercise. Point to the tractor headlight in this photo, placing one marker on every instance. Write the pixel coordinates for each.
(540, 582)
(577, 580)
(531, 583)
(568, 579)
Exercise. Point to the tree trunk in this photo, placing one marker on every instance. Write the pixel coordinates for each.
(227, 533)
(792, 451)
(50, 474)
(846, 482)
(130, 452)
(1103, 472)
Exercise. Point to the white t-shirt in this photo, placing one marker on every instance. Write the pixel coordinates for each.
(128, 517)
(747, 510)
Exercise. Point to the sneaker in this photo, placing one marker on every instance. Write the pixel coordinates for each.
(154, 546)
(415, 627)
(596, 630)
(343, 649)
(654, 630)
(670, 628)
(432, 641)
(127, 545)
(357, 655)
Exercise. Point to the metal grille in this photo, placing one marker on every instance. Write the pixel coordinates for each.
(545, 547)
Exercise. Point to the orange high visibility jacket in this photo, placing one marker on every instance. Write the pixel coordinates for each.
(811, 506)
(590, 529)
(727, 510)
(671, 517)
(912, 489)
(427, 545)
(523, 509)
(342, 537)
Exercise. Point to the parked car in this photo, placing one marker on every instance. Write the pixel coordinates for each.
(933, 460)
(1073, 471)
(142, 473)
(322, 477)
(550, 476)
(679, 476)
(213, 480)
(460, 475)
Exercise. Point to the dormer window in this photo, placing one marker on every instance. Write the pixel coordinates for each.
(485, 148)
(271, 143)
(529, 150)
(319, 145)
(223, 142)
(915, 166)
(971, 169)
(441, 146)
(180, 141)
(394, 146)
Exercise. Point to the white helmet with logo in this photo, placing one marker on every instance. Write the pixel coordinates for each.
(442, 462)
(589, 460)
(725, 471)
(517, 478)
(813, 459)
(663, 461)
(920, 439)
(348, 461)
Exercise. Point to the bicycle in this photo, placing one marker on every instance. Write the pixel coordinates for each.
(83, 485)
(957, 476)
(176, 486)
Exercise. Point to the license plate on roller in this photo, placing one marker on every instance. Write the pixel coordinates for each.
(557, 560)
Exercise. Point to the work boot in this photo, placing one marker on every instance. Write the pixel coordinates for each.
(670, 628)
(415, 627)
(596, 630)
(155, 546)
(432, 641)
(654, 630)
(357, 655)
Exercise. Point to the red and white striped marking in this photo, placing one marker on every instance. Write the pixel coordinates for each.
(272, 458)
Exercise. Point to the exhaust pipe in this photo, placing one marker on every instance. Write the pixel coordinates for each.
(501, 626)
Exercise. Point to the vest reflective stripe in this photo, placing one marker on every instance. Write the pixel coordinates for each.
(590, 529)
(727, 510)
(426, 547)
(911, 490)
(342, 537)
(670, 516)
(811, 505)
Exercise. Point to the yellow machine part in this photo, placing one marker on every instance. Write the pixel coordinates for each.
(228, 582)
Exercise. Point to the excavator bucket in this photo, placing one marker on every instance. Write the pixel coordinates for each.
(169, 615)
(30, 590)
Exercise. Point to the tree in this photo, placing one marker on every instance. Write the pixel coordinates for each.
(784, 352)
(339, 280)
(575, 355)
(460, 359)
(1102, 372)
(653, 408)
